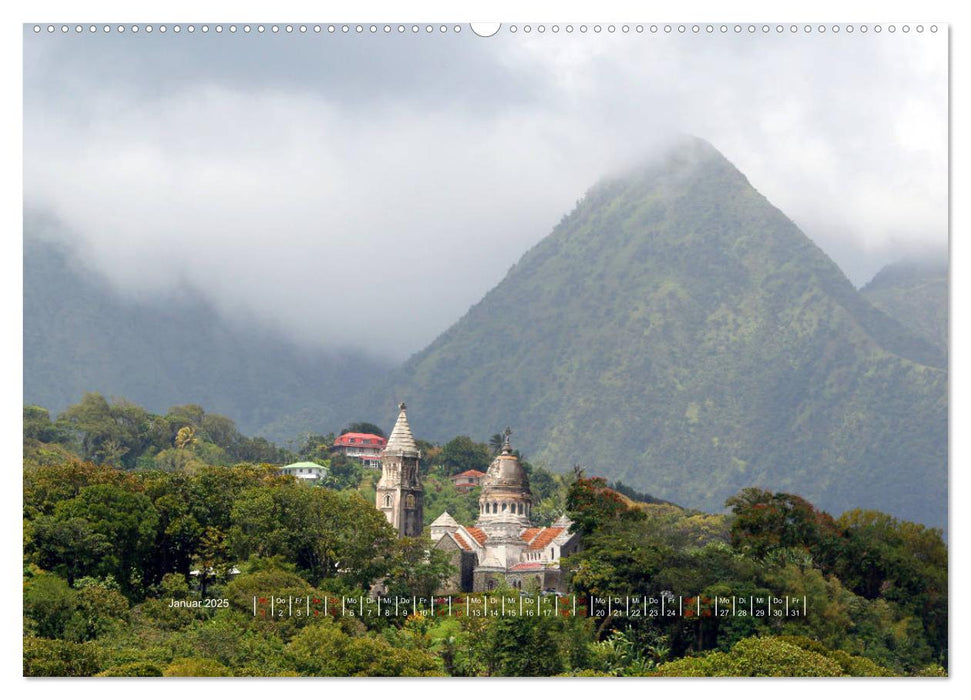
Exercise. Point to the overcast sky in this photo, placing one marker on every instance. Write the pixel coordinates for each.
(367, 189)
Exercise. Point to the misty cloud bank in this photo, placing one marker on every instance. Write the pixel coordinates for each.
(364, 191)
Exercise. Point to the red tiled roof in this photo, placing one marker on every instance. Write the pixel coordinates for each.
(528, 566)
(545, 537)
(345, 440)
(469, 472)
(529, 533)
(477, 533)
(461, 540)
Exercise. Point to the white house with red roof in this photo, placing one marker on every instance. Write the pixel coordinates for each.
(467, 480)
(363, 446)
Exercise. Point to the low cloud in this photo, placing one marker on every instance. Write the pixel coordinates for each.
(319, 194)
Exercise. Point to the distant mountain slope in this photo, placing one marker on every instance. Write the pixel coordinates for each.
(79, 335)
(915, 293)
(679, 333)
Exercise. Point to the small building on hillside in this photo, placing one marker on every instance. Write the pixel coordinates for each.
(467, 480)
(305, 471)
(365, 447)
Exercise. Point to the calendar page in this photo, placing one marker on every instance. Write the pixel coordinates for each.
(525, 349)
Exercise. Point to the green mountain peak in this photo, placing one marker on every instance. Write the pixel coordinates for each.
(678, 332)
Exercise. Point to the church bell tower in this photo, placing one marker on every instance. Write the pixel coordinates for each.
(400, 495)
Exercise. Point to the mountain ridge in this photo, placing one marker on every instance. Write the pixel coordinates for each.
(675, 331)
(80, 335)
(683, 282)
(914, 291)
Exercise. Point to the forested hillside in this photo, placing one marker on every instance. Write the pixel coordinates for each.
(681, 333)
(675, 329)
(915, 293)
(81, 336)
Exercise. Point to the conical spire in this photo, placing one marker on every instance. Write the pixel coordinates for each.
(401, 441)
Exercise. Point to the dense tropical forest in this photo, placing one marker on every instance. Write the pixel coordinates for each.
(149, 539)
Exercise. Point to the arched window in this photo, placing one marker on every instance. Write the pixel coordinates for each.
(503, 507)
(410, 501)
(387, 500)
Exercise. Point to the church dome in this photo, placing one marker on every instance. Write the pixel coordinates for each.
(506, 471)
(505, 501)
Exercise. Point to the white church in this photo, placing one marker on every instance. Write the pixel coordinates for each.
(502, 545)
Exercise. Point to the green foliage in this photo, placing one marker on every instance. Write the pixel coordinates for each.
(622, 654)
(99, 611)
(49, 604)
(764, 521)
(54, 657)
(441, 496)
(343, 472)
(327, 534)
(593, 507)
(543, 484)
(683, 529)
(125, 520)
(70, 547)
(756, 656)
(462, 454)
(503, 646)
(324, 650)
(108, 550)
(109, 433)
(196, 667)
(524, 647)
(38, 426)
(134, 669)
(119, 433)
(786, 656)
(417, 569)
(244, 587)
(231, 639)
(54, 610)
(899, 561)
(900, 566)
(47, 485)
